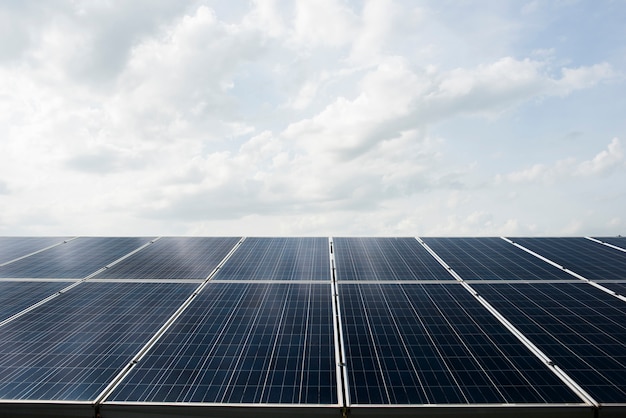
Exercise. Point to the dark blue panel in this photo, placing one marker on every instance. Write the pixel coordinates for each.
(385, 259)
(278, 259)
(71, 347)
(73, 260)
(492, 259)
(435, 344)
(585, 257)
(617, 241)
(243, 343)
(173, 258)
(581, 328)
(15, 247)
(17, 296)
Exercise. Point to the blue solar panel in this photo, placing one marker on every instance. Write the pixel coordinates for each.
(71, 347)
(617, 241)
(385, 259)
(278, 259)
(173, 258)
(15, 247)
(73, 260)
(590, 259)
(492, 259)
(581, 328)
(435, 344)
(243, 343)
(17, 296)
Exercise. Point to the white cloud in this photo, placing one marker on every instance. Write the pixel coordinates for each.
(298, 118)
(604, 163)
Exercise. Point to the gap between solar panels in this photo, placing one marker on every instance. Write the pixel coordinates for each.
(572, 273)
(607, 244)
(38, 251)
(564, 377)
(73, 285)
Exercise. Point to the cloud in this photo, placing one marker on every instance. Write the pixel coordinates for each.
(192, 115)
(4, 188)
(604, 163)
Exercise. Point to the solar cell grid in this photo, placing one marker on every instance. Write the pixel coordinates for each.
(17, 296)
(71, 347)
(590, 259)
(15, 247)
(173, 258)
(435, 344)
(579, 327)
(73, 260)
(492, 259)
(278, 259)
(243, 343)
(385, 259)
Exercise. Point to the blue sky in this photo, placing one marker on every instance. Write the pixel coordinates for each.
(313, 118)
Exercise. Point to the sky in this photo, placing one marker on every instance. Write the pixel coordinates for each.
(313, 118)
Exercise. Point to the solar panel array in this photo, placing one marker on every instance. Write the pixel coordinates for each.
(235, 326)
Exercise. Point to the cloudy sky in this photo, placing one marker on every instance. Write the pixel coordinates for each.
(325, 117)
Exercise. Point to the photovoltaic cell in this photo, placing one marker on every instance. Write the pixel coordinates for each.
(73, 260)
(278, 259)
(71, 347)
(15, 247)
(492, 259)
(581, 328)
(173, 258)
(243, 343)
(385, 259)
(435, 344)
(17, 296)
(590, 259)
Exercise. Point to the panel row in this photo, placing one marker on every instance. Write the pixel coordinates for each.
(356, 259)
(267, 330)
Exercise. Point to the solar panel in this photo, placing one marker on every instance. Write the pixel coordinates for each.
(385, 259)
(17, 296)
(71, 347)
(590, 259)
(73, 260)
(278, 259)
(15, 247)
(243, 343)
(435, 344)
(581, 328)
(492, 259)
(173, 258)
(617, 241)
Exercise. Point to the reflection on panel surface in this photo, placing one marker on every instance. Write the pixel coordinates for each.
(73, 260)
(590, 259)
(581, 328)
(278, 259)
(71, 347)
(492, 259)
(385, 259)
(435, 344)
(243, 343)
(14, 247)
(173, 258)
